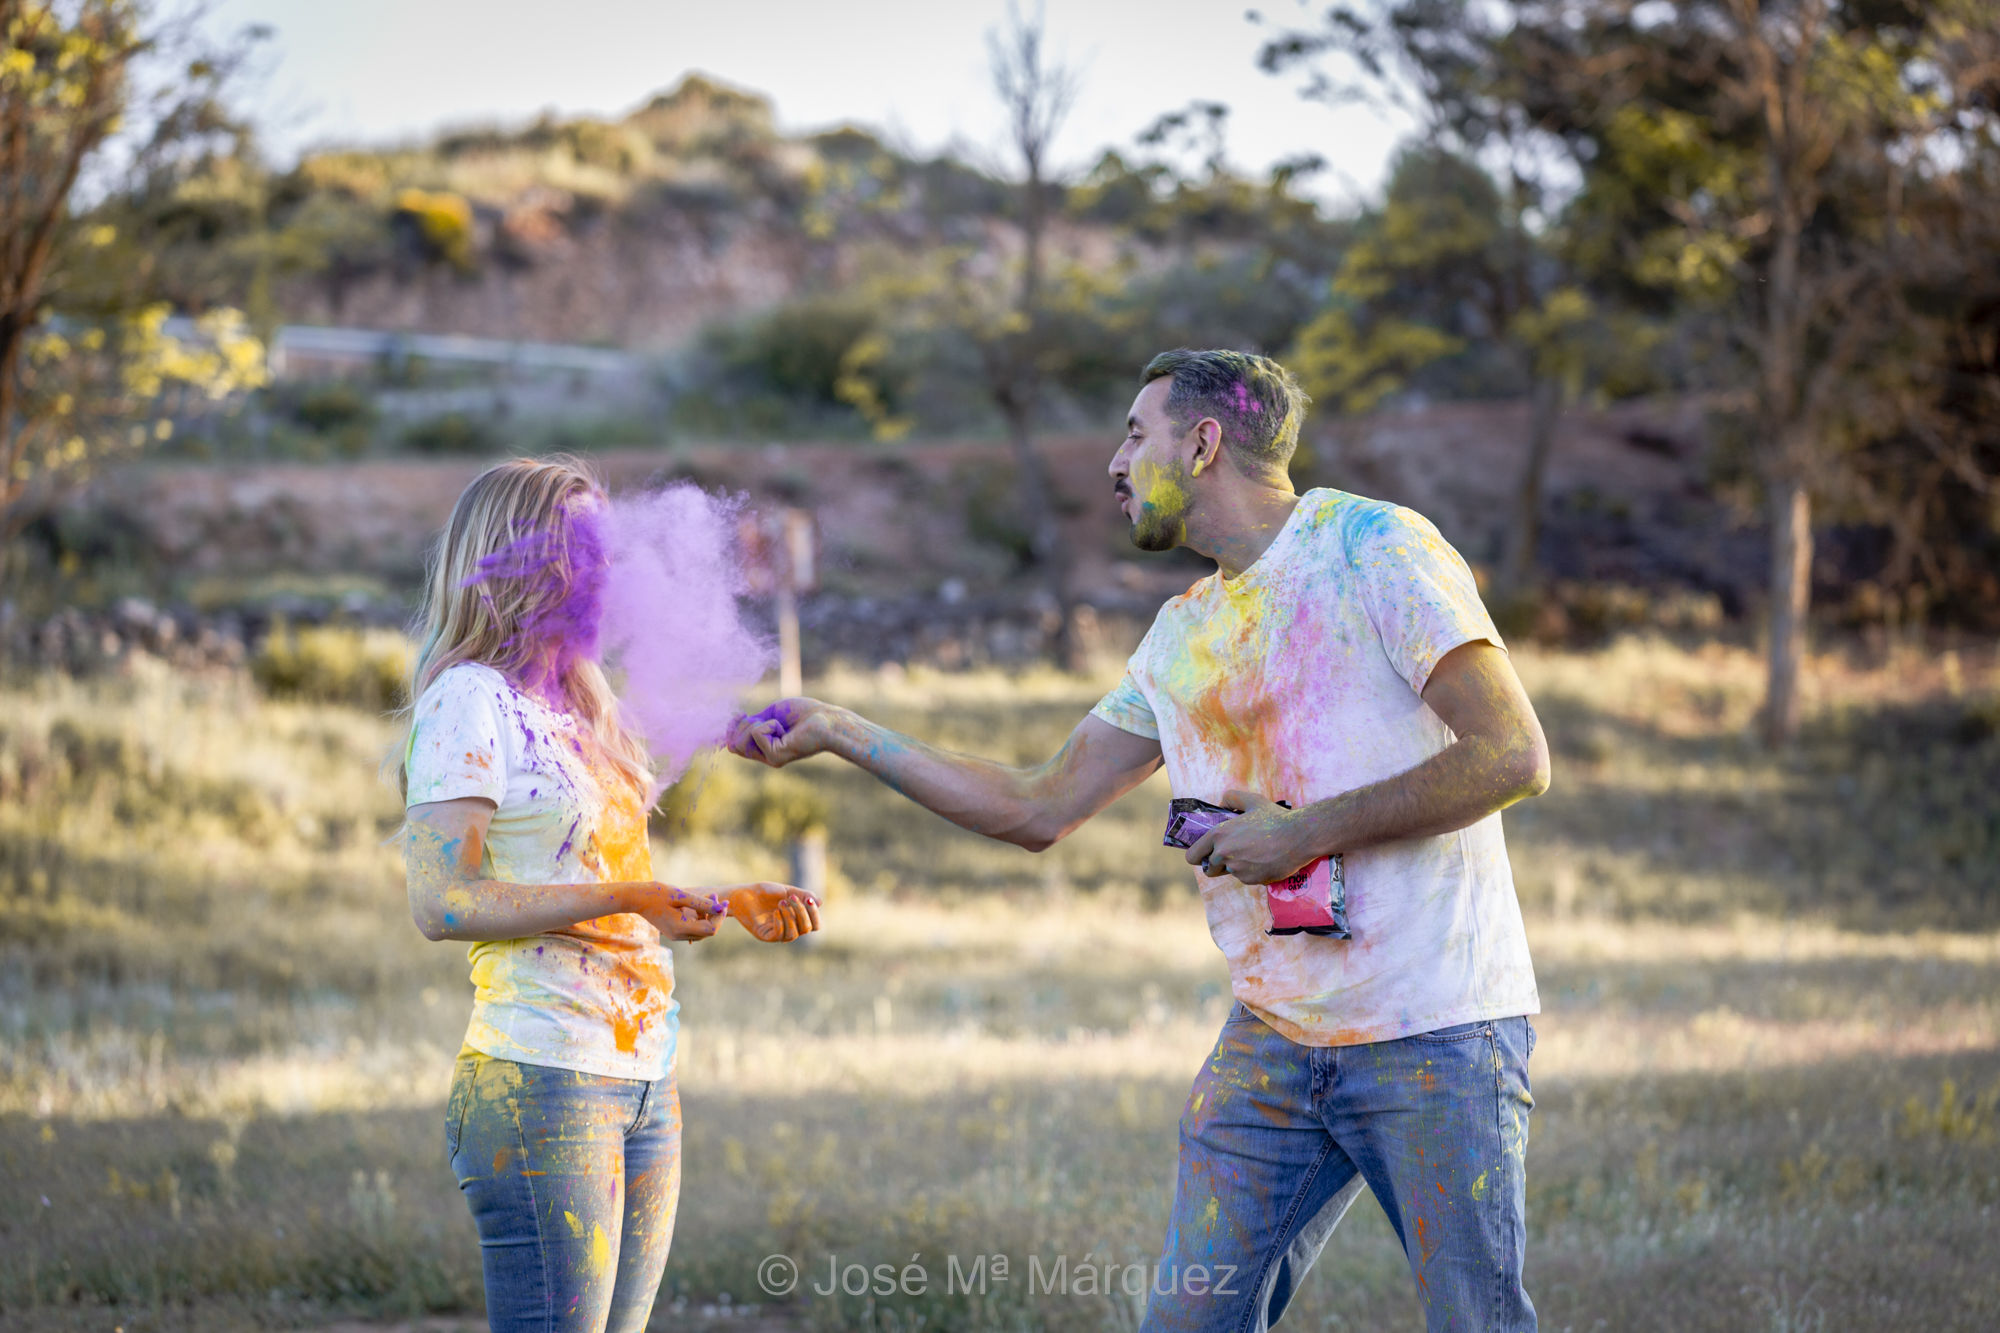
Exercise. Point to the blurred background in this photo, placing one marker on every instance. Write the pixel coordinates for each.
(1681, 320)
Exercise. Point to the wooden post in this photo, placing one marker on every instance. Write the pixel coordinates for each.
(795, 574)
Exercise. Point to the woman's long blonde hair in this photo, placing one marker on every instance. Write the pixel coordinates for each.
(509, 570)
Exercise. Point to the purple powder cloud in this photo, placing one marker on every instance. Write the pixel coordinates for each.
(672, 629)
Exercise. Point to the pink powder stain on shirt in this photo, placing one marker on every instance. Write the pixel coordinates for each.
(672, 628)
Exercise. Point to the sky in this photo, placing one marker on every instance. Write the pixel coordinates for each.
(375, 71)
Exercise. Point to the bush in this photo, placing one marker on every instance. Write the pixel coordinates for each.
(454, 434)
(721, 795)
(341, 415)
(363, 668)
(331, 407)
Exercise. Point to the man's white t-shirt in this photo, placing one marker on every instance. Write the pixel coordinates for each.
(598, 996)
(1301, 679)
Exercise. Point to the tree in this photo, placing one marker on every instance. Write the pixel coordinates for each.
(1453, 257)
(85, 357)
(1757, 160)
(1037, 93)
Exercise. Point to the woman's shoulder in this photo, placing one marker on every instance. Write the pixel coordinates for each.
(461, 682)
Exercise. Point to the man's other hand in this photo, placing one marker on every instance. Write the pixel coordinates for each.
(1261, 845)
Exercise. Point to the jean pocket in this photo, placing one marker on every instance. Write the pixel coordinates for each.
(1455, 1033)
(1241, 1013)
(463, 1072)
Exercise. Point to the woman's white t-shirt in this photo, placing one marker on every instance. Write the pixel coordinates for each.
(598, 996)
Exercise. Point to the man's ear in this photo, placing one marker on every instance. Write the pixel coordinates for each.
(1207, 445)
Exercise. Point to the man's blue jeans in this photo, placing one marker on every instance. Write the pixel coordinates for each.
(1278, 1139)
(573, 1180)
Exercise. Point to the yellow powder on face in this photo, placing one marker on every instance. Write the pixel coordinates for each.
(1159, 487)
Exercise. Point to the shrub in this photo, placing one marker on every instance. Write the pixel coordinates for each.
(444, 223)
(453, 434)
(364, 668)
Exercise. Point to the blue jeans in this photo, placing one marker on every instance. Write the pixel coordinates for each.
(1278, 1139)
(573, 1180)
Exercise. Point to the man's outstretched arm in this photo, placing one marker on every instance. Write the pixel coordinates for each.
(1029, 807)
(1499, 757)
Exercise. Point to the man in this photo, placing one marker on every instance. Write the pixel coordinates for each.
(1338, 660)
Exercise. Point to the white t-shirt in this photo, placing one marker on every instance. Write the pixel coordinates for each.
(598, 996)
(1301, 679)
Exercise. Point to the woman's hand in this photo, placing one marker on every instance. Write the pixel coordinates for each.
(685, 914)
(774, 913)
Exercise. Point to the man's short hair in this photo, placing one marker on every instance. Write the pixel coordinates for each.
(1257, 402)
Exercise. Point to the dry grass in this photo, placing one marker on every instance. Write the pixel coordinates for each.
(1767, 1076)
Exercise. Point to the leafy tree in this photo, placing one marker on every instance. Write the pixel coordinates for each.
(1454, 259)
(86, 364)
(1763, 163)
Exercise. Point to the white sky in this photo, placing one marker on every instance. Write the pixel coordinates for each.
(384, 70)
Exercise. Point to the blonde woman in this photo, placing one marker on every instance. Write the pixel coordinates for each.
(526, 835)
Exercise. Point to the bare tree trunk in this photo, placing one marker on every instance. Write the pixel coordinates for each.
(1046, 547)
(1524, 535)
(1791, 594)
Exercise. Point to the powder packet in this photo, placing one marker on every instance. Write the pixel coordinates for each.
(1311, 902)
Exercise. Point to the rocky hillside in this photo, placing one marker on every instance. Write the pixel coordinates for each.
(628, 232)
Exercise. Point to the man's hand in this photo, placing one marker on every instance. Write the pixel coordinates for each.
(788, 730)
(683, 914)
(1265, 843)
(774, 913)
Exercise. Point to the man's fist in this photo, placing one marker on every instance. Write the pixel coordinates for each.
(789, 729)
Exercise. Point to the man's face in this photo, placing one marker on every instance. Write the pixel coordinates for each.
(1150, 472)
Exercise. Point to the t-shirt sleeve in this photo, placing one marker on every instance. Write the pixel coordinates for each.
(1126, 709)
(455, 747)
(1418, 590)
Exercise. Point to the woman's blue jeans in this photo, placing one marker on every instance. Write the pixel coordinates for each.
(1278, 1139)
(573, 1180)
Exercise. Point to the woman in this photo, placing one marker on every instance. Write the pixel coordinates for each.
(527, 836)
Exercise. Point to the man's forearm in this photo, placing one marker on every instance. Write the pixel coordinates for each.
(988, 798)
(1455, 788)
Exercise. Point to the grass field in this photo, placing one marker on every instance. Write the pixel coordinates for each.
(1768, 1077)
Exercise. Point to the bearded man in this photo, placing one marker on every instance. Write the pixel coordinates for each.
(1338, 660)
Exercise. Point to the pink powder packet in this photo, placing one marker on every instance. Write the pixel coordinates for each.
(1312, 902)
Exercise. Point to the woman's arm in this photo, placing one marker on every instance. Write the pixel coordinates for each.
(449, 899)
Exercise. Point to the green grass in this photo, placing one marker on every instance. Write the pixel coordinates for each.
(1767, 1076)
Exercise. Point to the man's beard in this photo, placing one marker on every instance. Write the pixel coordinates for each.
(1159, 529)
